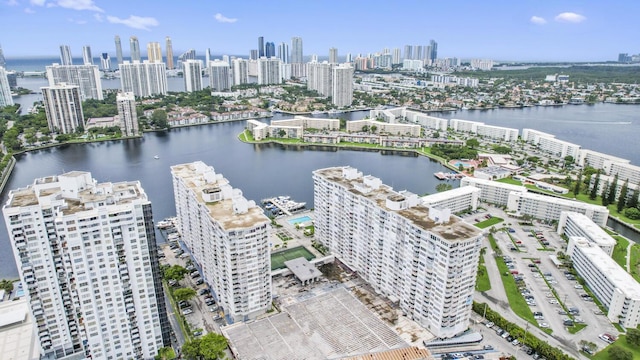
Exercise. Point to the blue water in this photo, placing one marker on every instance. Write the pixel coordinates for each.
(299, 220)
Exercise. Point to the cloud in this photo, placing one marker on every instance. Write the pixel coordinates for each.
(29, 11)
(12, 2)
(98, 17)
(570, 17)
(136, 22)
(223, 19)
(538, 20)
(37, 2)
(79, 5)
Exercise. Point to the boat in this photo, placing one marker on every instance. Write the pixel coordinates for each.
(156, 157)
(164, 224)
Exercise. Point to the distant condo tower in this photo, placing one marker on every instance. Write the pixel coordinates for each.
(333, 56)
(283, 52)
(207, 57)
(154, 53)
(3, 61)
(87, 58)
(5, 89)
(65, 55)
(192, 70)
(169, 47)
(219, 75)
(126, 103)
(270, 50)
(143, 79)
(63, 107)
(118, 50)
(134, 49)
(105, 61)
(260, 47)
(87, 257)
(87, 77)
(298, 67)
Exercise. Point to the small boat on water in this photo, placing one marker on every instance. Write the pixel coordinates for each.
(156, 157)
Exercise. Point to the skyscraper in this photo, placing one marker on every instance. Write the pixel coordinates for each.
(3, 61)
(397, 57)
(319, 77)
(118, 49)
(408, 52)
(207, 57)
(63, 107)
(228, 237)
(240, 71)
(333, 56)
(143, 79)
(126, 103)
(169, 47)
(283, 52)
(425, 258)
(418, 52)
(91, 274)
(270, 50)
(296, 50)
(348, 58)
(134, 48)
(342, 85)
(86, 77)
(269, 71)
(105, 61)
(65, 55)
(154, 52)
(260, 46)
(187, 55)
(253, 54)
(87, 58)
(434, 50)
(219, 76)
(192, 70)
(5, 89)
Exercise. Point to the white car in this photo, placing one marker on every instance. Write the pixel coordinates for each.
(543, 325)
(489, 324)
(578, 286)
(187, 311)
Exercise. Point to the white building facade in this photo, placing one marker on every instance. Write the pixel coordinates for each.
(219, 76)
(576, 224)
(192, 70)
(5, 89)
(493, 192)
(87, 256)
(126, 103)
(459, 199)
(269, 71)
(549, 208)
(63, 107)
(143, 78)
(429, 266)
(228, 236)
(86, 77)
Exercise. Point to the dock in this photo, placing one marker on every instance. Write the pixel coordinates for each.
(282, 205)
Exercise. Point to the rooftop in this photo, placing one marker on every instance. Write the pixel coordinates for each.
(17, 338)
(499, 184)
(449, 194)
(562, 202)
(419, 215)
(303, 269)
(595, 232)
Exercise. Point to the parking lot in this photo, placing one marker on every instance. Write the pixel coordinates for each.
(526, 251)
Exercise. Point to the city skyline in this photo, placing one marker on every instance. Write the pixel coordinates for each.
(519, 32)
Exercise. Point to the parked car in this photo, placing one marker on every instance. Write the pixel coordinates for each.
(489, 324)
(187, 311)
(488, 347)
(200, 282)
(204, 291)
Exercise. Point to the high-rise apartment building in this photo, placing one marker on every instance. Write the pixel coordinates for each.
(187, 55)
(219, 76)
(154, 52)
(169, 47)
(270, 50)
(143, 78)
(5, 89)
(260, 46)
(424, 258)
(269, 71)
(319, 77)
(63, 107)
(126, 103)
(397, 57)
(87, 58)
(342, 85)
(105, 61)
(228, 236)
(65, 55)
(283, 52)
(86, 77)
(3, 61)
(87, 258)
(253, 54)
(207, 57)
(118, 49)
(333, 56)
(433, 55)
(240, 71)
(348, 58)
(408, 52)
(192, 70)
(134, 49)
(296, 50)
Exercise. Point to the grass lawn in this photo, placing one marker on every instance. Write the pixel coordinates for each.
(491, 221)
(575, 328)
(620, 251)
(621, 342)
(509, 181)
(278, 258)
(635, 262)
(482, 280)
(613, 208)
(516, 301)
(494, 246)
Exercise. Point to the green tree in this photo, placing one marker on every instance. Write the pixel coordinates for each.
(605, 194)
(436, 134)
(633, 337)
(576, 189)
(184, 294)
(443, 187)
(622, 199)
(568, 160)
(632, 213)
(633, 202)
(191, 349)
(165, 353)
(594, 190)
(212, 346)
(365, 128)
(159, 119)
(618, 353)
(613, 188)
(282, 133)
(6, 285)
(473, 143)
(373, 128)
(500, 149)
(175, 272)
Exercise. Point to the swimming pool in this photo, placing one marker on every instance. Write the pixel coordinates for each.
(461, 163)
(299, 220)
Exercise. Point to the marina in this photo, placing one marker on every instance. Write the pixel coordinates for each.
(282, 205)
(448, 176)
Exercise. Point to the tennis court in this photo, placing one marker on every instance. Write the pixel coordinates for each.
(278, 259)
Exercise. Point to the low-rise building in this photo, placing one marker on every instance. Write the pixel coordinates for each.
(395, 114)
(549, 208)
(596, 159)
(623, 170)
(383, 127)
(492, 173)
(481, 129)
(459, 199)
(615, 288)
(18, 339)
(576, 224)
(608, 181)
(493, 192)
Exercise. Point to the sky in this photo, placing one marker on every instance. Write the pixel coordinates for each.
(514, 30)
